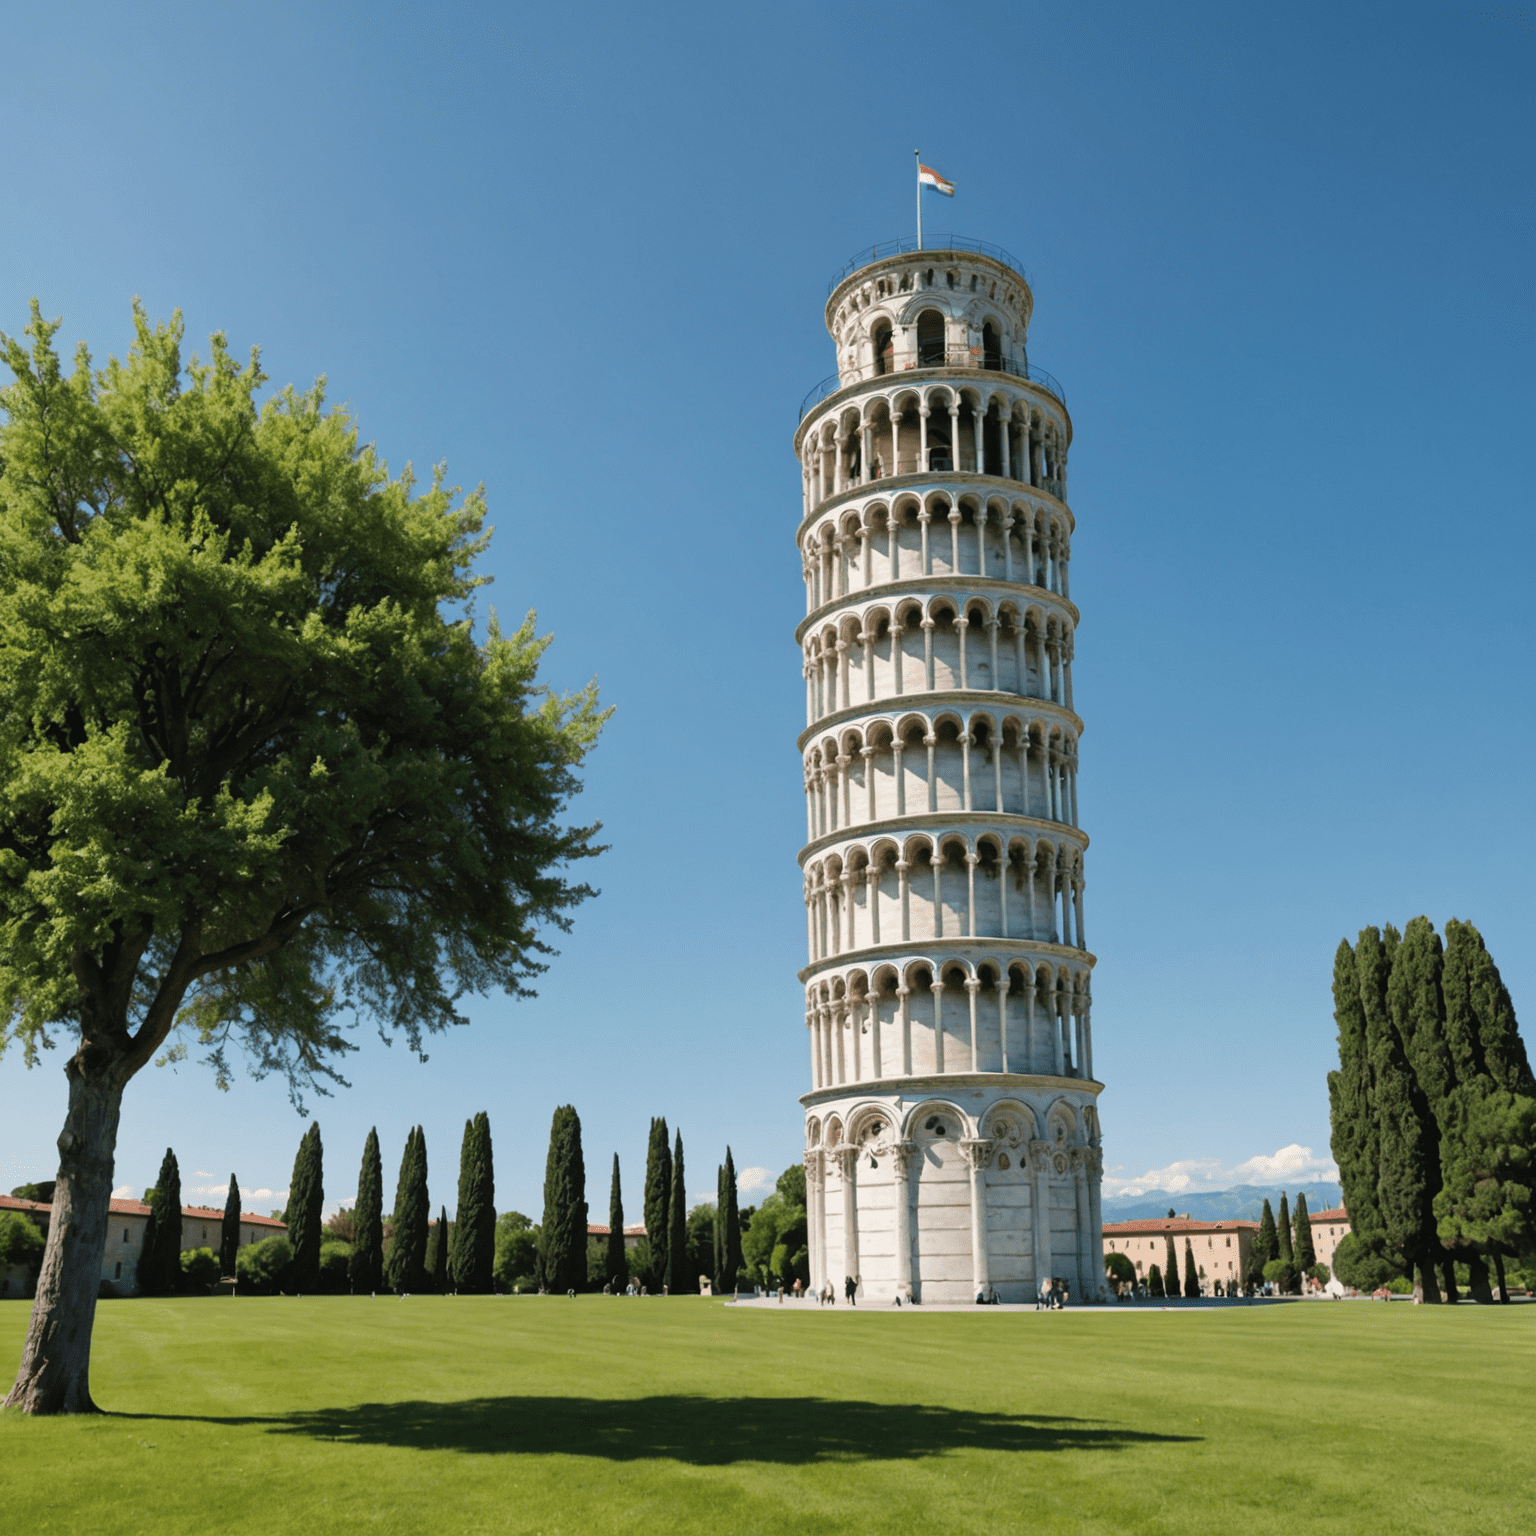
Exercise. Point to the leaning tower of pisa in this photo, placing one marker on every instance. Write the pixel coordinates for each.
(952, 1139)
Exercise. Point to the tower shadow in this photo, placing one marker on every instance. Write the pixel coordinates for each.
(701, 1431)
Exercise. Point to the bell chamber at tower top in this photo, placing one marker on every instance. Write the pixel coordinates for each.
(933, 376)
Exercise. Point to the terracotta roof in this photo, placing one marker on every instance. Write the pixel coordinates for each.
(1177, 1224)
(138, 1208)
(1337, 1213)
(638, 1230)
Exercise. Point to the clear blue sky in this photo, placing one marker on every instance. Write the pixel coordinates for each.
(1282, 263)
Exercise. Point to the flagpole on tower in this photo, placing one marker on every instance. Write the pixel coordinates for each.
(917, 155)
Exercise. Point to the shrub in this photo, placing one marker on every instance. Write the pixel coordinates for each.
(1319, 1272)
(263, 1266)
(517, 1246)
(1154, 1281)
(1119, 1268)
(1400, 1285)
(1356, 1267)
(199, 1270)
(335, 1266)
(1281, 1273)
(20, 1241)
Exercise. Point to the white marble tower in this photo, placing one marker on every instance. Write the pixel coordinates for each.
(952, 1139)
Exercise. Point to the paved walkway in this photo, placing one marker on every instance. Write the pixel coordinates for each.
(1205, 1304)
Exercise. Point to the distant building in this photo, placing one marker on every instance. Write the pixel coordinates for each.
(201, 1227)
(632, 1235)
(1221, 1248)
(1329, 1229)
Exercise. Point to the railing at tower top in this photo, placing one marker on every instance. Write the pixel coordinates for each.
(952, 357)
(936, 244)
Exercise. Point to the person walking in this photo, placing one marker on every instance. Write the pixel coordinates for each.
(849, 1290)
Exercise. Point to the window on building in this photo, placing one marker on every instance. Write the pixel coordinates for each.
(117, 1274)
(125, 1234)
(930, 339)
(991, 347)
(883, 350)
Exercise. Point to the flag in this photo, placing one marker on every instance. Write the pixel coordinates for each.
(927, 177)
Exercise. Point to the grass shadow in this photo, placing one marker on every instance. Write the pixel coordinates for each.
(700, 1431)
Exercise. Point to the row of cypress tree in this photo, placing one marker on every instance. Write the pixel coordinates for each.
(1283, 1252)
(1433, 1111)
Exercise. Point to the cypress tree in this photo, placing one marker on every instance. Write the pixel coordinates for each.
(1191, 1273)
(658, 1197)
(1404, 1160)
(159, 1266)
(229, 1234)
(563, 1237)
(1501, 1051)
(306, 1200)
(677, 1225)
(618, 1260)
(1351, 1110)
(438, 1264)
(366, 1269)
(1305, 1252)
(731, 1245)
(718, 1245)
(1170, 1266)
(1266, 1245)
(474, 1230)
(1417, 1005)
(407, 1262)
(1283, 1249)
(1155, 1282)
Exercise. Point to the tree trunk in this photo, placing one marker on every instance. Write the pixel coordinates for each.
(1425, 1289)
(1498, 1269)
(1477, 1279)
(1448, 1278)
(55, 1374)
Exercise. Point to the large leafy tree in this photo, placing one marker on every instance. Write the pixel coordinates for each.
(257, 771)
(365, 1269)
(474, 1227)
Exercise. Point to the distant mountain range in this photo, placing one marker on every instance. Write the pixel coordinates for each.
(1242, 1203)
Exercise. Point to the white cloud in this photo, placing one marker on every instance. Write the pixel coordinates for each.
(203, 1173)
(126, 1192)
(750, 1180)
(1294, 1164)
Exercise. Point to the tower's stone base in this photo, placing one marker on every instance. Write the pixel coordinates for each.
(935, 1189)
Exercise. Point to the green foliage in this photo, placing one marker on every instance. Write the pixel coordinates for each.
(20, 1240)
(1400, 1285)
(366, 1276)
(728, 1255)
(474, 1232)
(1488, 1202)
(1284, 1250)
(658, 1199)
(1155, 1282)
(642, 1262)
(42, 1193)
(679, 1277)
(1351, 1109)
(790, 1185)
(1320, 1273)
(1480, 1025)
(229, 1232)
(563, 1233)
(1304, 1251)
(254, 757)
(306, 1201)
(1191, 1273)
(616, 1264)
(159, 1269)
(1266, 1242)
(701, 1240)
(597, 1263)
(1170, 1267)
(516, 1251)
(1283, 1275)
(335, 1266)
(264, 1266)
(406, 1262)
(199, 1270)
(776, 1232)
(437, 1253)
(1119, 1269)
(1360, 1267)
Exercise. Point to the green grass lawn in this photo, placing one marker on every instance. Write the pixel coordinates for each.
(447, 1415)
